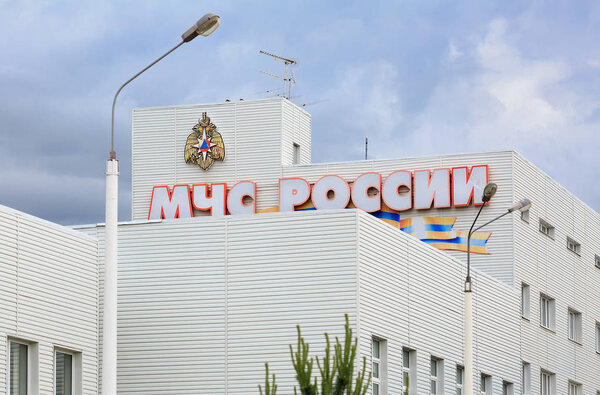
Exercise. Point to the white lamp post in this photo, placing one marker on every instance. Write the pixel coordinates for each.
(204, 27)
(523, 205)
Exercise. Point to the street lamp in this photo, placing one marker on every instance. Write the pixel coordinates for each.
(203, 27)
(523, 205)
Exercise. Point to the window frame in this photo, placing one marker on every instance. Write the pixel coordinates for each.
(508, 386)
(485, 381)
(549, 229)
(436, 381)
(547, 310)
(33, 368)
(572, 385)
(296, 154)
(597, 337)
(460, 387)
(410, 370)
(574, 328)
(376, 360)
(525, 301)
(526, 378)
(76, 366)
(551, 389)
(573, 246)
(597, 261)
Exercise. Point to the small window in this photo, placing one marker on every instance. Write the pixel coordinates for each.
(574, 388)
(546, 228)
(436, 377)
(408, 368)
(296, 159)
(460, 380)
(575, 325)
(379, 374)
(547, 312)
(547, 384)
(485, 384)
(574, 246)
(507, 388)
(598, 337)
(526, 378)
(525, 216)
(64, 373)
(525, 300)
(376, 365)
(18, 368)
(597, 261)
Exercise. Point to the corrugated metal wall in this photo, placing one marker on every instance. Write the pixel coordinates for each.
(412, 295)
(205, 302)
(258, 137)
(550, 268)
(48, 293)
(499, 263)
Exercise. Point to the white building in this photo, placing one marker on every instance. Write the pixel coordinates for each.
(205, 298)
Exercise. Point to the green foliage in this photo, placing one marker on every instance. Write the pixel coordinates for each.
(270, 389)
(336, 371)
(406, 387)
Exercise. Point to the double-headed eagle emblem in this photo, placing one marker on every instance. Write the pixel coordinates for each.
(205, 145)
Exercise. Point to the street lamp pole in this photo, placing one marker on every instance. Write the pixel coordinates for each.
(523, 205)
(203, 27)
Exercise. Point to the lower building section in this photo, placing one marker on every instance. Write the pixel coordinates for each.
(204, 303)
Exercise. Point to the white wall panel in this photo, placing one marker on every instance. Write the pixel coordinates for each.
(253, 133)
(49, 294)
(549, 267)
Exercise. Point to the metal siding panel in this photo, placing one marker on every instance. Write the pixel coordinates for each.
(49, 293)
(550, 268)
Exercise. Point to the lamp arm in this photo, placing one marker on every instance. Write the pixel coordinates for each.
(113, 154)
(489, 222)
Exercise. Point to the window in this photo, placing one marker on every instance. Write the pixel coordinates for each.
(379, 366)
(526, 378)
(525, 300)
(376, 365)
(546, 312)
(598, 337)
(574, 326)
(485, 384)
(547, 383)
(63, 374)
(525, 216)
(460, 380)
(296, 159)
(68, 368)
(408, 369)
(507, 388)
(573, 246)
(574, 388)
(597, 261)
(18, 368)
(436, 376)
(546, 228)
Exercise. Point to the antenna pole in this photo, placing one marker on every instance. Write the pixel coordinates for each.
(366, 147)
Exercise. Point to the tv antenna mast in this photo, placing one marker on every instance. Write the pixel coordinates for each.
(288, 79)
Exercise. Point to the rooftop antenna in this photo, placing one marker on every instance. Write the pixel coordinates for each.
(288, 79)
(366, 147)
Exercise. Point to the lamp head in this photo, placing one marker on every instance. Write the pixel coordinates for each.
(489, 191)
(522, 205)
(204, 27)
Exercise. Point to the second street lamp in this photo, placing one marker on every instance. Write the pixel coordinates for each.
(523, 205)
(203, 27)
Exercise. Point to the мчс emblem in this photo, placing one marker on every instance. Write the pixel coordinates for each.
(205, 145)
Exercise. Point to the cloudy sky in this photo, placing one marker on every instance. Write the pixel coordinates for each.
(417, 77)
